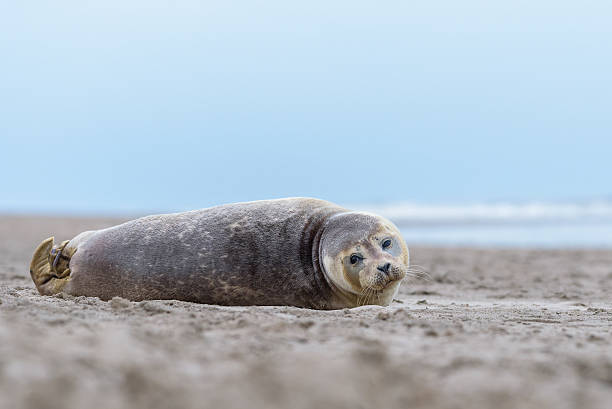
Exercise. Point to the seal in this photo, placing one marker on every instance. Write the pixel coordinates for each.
(299, 252)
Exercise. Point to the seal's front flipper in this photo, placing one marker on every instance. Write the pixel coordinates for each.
(49, 267)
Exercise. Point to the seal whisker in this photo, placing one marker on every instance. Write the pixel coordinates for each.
(416, 269)
(418, 272)
(375, 295)
(362, 297)
(366, 296)
(419, 275)
(411, 279)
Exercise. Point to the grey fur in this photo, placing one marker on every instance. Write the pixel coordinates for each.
(254, 253)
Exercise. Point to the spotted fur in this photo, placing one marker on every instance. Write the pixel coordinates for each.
(254, 253)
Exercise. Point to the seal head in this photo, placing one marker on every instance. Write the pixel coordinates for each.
(364, 258)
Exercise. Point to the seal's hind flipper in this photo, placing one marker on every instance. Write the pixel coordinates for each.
(43, 268)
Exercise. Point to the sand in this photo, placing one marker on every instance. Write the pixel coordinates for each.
(492, 328)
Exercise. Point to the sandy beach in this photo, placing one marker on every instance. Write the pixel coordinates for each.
(491, 328)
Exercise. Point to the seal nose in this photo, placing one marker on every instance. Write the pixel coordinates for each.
(384, 268)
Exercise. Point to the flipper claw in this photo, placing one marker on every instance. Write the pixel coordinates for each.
(49, 267)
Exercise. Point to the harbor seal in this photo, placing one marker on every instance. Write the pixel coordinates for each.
(298, 251)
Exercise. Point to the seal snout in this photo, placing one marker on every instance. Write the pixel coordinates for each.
(393, 273)
(384, 268)
(383, 276)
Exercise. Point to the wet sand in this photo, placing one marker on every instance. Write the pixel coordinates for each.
(491, 328)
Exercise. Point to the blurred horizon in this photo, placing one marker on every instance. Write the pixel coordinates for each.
(117, 108)
(404, 211)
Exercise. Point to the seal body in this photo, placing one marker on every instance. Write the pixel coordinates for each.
(255, 253)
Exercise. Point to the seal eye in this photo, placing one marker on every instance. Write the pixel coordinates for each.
(355, 258)
(386, 244)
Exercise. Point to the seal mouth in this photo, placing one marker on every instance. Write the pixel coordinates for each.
(380, 285)
(376, 294)
(392, 275)
(381, 281)
(369, 295)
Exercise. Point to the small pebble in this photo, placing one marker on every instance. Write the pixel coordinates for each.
(118, 303)
(383, 315)
(306, 324)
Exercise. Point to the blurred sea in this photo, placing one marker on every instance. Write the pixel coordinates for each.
(535, 224)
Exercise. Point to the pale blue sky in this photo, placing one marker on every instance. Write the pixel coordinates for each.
(128, 106)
